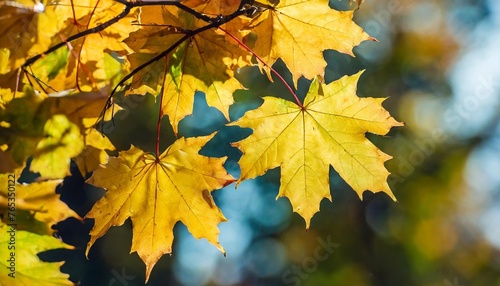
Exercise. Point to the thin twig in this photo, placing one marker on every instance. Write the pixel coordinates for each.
(160, 115)
(123, 14)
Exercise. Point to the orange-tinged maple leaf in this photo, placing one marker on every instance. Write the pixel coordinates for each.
(26, 29)
(84, 63)
(329, 130)
(214, 8)
(89, 57)
(156, 194)
(298, 31)
(205, 62)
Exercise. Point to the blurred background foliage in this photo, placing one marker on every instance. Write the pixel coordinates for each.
(437, 61)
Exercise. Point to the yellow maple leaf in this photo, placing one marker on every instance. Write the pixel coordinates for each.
(28, 268)
(202, 65)
(205, 62)
(51, 129)
(26, 29)
(38, 206)
(329, 130)
(89, 60)
(53, 153)
(83, 63)
(298, 31)
(82, 108)
(156, 194)
(21, 128)
(94, 153)
(160, 27)
(215, 8)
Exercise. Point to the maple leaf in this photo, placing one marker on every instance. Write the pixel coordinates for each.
(38, 206)
(202, 67)
(82, 108)
(83, 62)
(156, 194)
(90, 64)
(26, 29)
(22, 122)
(329, 130)
(50, 71)
(29, 269)
(298, 31)
(94, 153)
(206, 62)
(159, 29)
(49, 129)
(53, 153)
(215, 8)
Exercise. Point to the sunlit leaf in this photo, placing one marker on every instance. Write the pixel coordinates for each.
(157, 193)
(298, 31)
(38, 206)
(29, 269)
(53, 153)
(205, 62)
(329, 130)
(22, 126)
(26, 29)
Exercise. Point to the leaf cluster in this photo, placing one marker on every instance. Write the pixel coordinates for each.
(71, 61)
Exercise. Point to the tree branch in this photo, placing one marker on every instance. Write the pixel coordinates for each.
(123, 14)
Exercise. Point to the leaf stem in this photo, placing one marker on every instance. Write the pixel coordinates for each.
(264, 63)
(158, 127)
